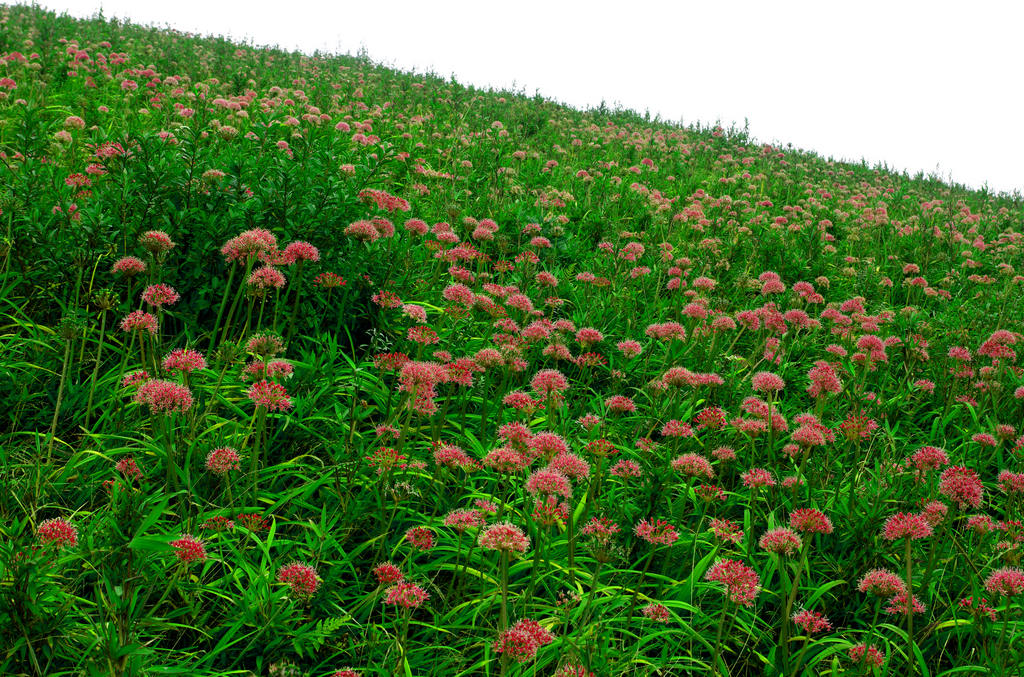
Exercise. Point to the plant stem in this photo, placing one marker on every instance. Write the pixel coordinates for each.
(60, 400)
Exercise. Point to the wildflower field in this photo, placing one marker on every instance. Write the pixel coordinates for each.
(313, 368)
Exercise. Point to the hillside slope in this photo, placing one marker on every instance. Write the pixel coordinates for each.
(309, 364)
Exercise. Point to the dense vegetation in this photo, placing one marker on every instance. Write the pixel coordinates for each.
(311, 367)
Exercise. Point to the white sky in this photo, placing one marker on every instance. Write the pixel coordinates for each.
(922, 86)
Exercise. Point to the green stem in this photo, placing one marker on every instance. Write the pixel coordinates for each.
(96, 367)
(223, 303)
(911, 665)
(718, 638)
(60, 400)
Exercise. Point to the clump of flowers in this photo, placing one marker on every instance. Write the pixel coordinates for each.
(504, 537)
(811, 622)
(164, 397)
(1008, 581)
(656, 612)
(657, 532)
(271, 395)
(301, 579)
(57, 532)
(742, 584)
(189, 549)
(222, 460)
(521, 641)
(406, 595)
(781, 541)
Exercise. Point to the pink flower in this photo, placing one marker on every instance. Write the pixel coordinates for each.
(898, 604)
(810, 521)
(160, 295)
(128, 468)
(522, 640)
(57, 532)
(222, 460)
(620, 404)
(548, 482)
(693, 465)
(767, 382)
(164, 397)
(504, 537)
(881, 583)
(742, 583)
(184, 360)
(129, 266)
(549, 382)
(906, 525)
(870, 656)
(189, 549)
(271, 395)
(463, 519)
(139, 320)
(570, 465)
(383, 200)
(962, 486)
(656, 612)
(726, 531)
(300, 577)
(781, 541)
(928, 458)
(1008, 581)
(626, 468)
(302, 251)
(406, 595)
(265, 278)
(629, 348)
(420, 538)
(364, 231)
(811, 621)
(757, 477)
(248, 244)
(656, 532)
(387, 573)
(156, 242)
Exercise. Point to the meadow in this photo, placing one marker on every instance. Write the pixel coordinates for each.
(314, 368)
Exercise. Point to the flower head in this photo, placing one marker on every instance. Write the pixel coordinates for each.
(164, 397)
(881, 583)
(656, 612)
(521, 641)
(1007, 581)
(741, 582)
(189, 549)
(767, 382)
(139, 320)
(406, 595)
(962, 486)
(222, 460)
(811, 621)
(57, 532)
(906, 525)
(184, 360)
(160, 295)
(387, 573)
(504, 537)
(810, 521)
(781, 541)
(656, 532)
(271, 395)
(869, 655)
(420, 538)
(300, 577)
